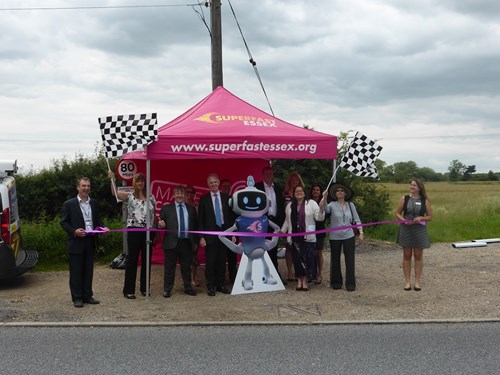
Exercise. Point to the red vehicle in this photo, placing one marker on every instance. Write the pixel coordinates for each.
(14, 259)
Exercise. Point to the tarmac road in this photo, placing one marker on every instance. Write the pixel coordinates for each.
(457, 348)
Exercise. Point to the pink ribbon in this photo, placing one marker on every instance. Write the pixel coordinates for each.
(100, 230)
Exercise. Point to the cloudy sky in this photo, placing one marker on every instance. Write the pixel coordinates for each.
(420, 77)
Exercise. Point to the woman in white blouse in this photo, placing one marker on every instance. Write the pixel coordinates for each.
(136, 240)
(300, 217)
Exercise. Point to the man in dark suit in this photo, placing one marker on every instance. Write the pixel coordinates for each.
(178, 244)
(214, 214)
(232, 261)
(80, 214)
(276, 211)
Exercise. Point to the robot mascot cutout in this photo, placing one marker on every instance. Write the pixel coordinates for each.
(252, 204)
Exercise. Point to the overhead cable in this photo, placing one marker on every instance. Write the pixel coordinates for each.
(202, 15)
(102, 7)
(252, 61)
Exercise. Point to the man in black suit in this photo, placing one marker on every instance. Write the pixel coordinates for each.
(177, 244)
(232, 266)
(80, 214)
(214, 214)
(276, 211)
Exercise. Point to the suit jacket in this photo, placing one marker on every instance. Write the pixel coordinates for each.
(168, 214)
(280, 202)
(206, 215)
(72, 219)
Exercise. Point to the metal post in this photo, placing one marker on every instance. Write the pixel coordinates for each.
(149, 247)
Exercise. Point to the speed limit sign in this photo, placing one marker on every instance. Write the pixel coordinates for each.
(126, 170)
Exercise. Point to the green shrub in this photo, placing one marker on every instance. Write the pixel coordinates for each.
(372, 202)
(49, 239)
(41, 194)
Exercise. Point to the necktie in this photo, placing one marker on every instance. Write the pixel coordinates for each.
(218, 217)
(182, 224)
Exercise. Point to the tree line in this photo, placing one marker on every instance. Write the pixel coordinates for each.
(457, 171)
(42, 193)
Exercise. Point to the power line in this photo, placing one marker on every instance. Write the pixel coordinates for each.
(252, 61)
(201, 14)
(102, 7)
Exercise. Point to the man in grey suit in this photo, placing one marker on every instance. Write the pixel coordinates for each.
(178, 244)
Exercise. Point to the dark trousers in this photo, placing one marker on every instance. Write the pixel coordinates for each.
(81, 271)
(303, 256)
(184, 253)
(335, 272)
(231, 264)
(273, 253)
(215, 263)
(136, 242)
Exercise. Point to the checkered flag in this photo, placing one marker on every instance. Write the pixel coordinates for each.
(125, 133)
(360, 157)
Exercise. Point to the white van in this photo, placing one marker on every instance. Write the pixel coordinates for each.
(14, 260)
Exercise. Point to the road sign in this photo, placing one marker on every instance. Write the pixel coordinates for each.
(125, 170)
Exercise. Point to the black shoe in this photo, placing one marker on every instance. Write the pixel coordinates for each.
(350, 288)
(407, 288)
(211, 292)
(223, 290)
(129, 296)
(144, 294)
(190, 292)
(336, 286)
(167, 294)
(91, 301)
(417, 289)
(78, 303)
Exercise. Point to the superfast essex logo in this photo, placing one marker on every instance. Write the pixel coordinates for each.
(217, 118)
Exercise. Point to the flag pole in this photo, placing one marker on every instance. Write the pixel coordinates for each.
(112, 181)
(333, 177)
(149, 247)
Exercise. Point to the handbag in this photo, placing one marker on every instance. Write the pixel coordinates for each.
(353, 222)
(119, 262)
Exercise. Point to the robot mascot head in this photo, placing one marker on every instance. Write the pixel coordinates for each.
(250, 202)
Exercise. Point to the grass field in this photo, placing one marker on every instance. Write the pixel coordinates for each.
(462, 211)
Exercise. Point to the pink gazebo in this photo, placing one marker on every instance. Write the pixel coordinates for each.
(223, 126)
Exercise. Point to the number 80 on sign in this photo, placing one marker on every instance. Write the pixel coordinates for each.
(125, 170)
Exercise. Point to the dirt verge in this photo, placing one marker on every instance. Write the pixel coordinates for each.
(458, 284)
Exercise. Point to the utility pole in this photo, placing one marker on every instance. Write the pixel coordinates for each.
(215, 20)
